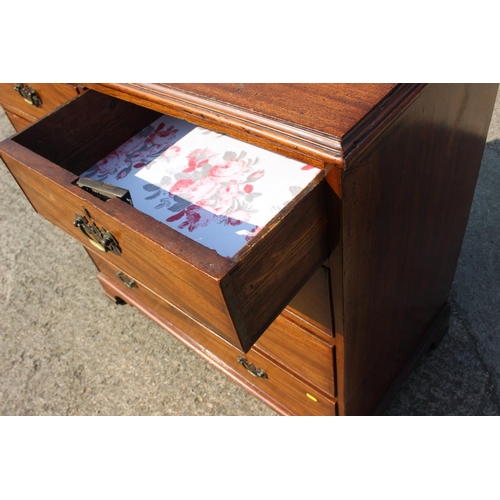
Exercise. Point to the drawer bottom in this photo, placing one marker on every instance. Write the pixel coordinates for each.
(262, 378)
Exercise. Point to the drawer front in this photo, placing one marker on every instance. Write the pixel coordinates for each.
(284, 342)
(50, 95)
(300, 351)
(276, 386)
(238, 297)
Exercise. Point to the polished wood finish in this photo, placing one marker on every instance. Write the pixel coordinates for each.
(313, 301)
(85, 131)
(430, 340)
(277, 263)
(316, 123)
(282, 389)
(400, 164)
(406, 200)
(296, 103)
(225, 294)
(52, 95)
(179, 269)
(307, 355)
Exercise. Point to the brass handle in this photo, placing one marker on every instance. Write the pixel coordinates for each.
(29, 94)
(128, 282)
(100, 238)
(255, 372)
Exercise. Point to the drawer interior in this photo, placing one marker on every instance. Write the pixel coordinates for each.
(313, 301)
(78, 135)
(215, 190)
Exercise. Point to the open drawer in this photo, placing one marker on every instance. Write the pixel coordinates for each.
(238, 295)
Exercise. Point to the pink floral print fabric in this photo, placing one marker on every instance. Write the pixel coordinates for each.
(214, 189)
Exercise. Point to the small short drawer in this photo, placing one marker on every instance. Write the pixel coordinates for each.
(40, 98)
(298, 350)
(279, 385)
(237, 297)
(290, 346)
(276, 386)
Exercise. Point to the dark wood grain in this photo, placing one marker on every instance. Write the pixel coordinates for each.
(315, 123)
(432, 337)
(84, 131)
(400, 165)
(278, 262)
(282, 391)
(225, 294)
(177, 268)
(341, 106)
(305, 354)
(406, 200)
(313, 301)
(52, 95)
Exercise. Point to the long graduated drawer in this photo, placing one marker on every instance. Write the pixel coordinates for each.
(287, 383)
(236, 297)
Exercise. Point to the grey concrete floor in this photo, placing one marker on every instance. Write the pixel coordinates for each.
(65, 349)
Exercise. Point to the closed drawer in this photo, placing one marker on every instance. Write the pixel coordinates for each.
(48, 95)
(236, 297)
(298, 350)
(290, 346)
(276, 386)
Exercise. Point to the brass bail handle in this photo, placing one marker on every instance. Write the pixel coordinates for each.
(100, 238)
(250, 368)
(128, 282)
(29, 94)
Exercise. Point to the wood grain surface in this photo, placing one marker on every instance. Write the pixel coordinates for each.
(406, 200)
(84, 131)
(238, 298)
(282, 390)
(52, 95)
(400, 161)
(313, 301)
(316, 123)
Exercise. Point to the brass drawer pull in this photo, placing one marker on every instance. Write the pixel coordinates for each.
(255, 372)
(128, 282)
(29, 94)
(102, 239)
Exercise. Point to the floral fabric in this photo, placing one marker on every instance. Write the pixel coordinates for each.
(213, 189)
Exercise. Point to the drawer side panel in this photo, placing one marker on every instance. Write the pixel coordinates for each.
(271, 272)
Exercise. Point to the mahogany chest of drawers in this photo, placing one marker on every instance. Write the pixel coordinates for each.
(329, 302)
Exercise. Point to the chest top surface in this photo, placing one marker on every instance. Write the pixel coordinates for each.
(329, 109)
(322, 120)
